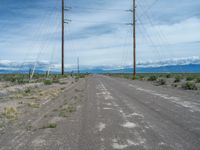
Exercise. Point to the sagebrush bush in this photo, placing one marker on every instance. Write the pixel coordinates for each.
(161, 82)
(189, 86)
(198, 80)
(47, 82)
(177, 79)
(27, 90)
(10, 113)
(56, 80)
(141, 77)
(152, 78)
(50, 125)
(190, 78)
(168, 76)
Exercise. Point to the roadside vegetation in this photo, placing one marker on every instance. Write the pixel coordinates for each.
(10, 113)
(49, 126)
(38, 78)
(186, 81)
(20, 96)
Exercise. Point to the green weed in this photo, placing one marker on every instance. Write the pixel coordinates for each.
(190, 78)
(10, 113)
(47, 82)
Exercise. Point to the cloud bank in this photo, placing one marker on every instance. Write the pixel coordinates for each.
(45, 66)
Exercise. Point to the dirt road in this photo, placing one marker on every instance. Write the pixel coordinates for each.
(108, 113)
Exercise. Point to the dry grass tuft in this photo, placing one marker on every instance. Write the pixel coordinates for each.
(10, 113)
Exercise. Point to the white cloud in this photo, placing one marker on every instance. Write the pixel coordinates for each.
(171, 62)
(184, 31)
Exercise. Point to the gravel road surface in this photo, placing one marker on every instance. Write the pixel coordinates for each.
(110, 113)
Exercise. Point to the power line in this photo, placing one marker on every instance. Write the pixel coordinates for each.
(99, 22)
(150, 7)
(42, 47)
(41, 31)
(93, 8)
(160, 35)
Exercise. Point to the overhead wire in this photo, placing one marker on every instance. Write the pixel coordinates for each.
(156, 36)
(127, 50)
(161, 37)
(54, 37)
(149, 8)
(99, 22)
(146, 35)
(95, 8)
(42, 46)
(52, 52)
(37, 33)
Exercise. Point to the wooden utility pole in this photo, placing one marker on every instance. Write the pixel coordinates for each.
(63, 37)
(78, 67)
(134, 39)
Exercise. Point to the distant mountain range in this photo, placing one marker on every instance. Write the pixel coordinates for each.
(190, 68)
(188, 64)
(193, 68)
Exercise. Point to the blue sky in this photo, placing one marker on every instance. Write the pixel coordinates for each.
(98, 34)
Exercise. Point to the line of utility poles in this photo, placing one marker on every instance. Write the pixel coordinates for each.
(134, 38)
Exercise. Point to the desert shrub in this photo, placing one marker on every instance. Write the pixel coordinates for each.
(168, 76)
(78, 76)
(47, 82)
(190, 78)
(174, 85)
(64, 112)
(56, 80)
(161, 82)
(50, 125)
(18, 79)
(177, 79)
(160, 75)
(10, 113)
(82, 76)
(189, 86)
(11, 79)
(141, 77)
(198, 80)
(21, 81)
(152, 78)
(27, 90)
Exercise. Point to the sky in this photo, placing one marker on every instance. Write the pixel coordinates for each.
(99, 31)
